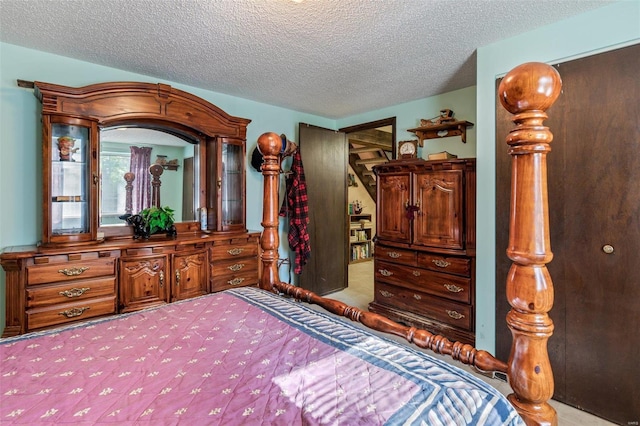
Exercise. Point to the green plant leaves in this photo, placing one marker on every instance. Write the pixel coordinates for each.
(157, 219)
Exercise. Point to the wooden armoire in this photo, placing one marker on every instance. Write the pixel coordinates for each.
(594, 212)
(425, 245)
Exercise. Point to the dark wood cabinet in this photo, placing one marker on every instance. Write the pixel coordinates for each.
(425, 245)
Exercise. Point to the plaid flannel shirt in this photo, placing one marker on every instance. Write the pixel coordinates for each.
(296, 206)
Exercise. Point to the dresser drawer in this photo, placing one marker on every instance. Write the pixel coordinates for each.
(445, 311)
(448, 286)
(44, 295)
(392, 254)
(450, 265)
(241, 278)
(234, 266)
(229, 251)
(70, 312)
(67, 271)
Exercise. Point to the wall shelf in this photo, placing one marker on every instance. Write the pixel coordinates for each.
(444, 130)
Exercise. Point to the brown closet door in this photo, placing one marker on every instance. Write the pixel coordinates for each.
(324, 157)
(594, 201)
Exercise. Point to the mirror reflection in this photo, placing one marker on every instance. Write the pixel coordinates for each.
(134, 150)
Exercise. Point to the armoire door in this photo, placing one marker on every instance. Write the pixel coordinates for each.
(324, 155)
(594, 214)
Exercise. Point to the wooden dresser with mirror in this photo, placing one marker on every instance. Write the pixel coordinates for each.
(88, 263)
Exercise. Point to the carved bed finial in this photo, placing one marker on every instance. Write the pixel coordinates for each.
(270, 146)
(527, 92)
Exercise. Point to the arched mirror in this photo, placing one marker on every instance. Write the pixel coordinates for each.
(132, 150)
(190, 144)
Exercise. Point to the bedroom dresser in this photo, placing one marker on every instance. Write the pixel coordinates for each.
(425, 245)
(90, 262)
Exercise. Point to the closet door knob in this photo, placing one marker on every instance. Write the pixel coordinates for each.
(607, 248)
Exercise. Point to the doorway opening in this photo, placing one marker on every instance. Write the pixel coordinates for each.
(368, 144)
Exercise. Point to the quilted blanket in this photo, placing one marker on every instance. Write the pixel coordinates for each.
(243, 356)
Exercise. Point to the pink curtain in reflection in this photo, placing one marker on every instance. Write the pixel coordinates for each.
(139, 166)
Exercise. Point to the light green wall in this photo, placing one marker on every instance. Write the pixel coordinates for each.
(586, 34)
(408, 115)
(20, 134)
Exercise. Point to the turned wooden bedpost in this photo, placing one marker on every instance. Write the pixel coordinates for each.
(270, 145)
(528, 91)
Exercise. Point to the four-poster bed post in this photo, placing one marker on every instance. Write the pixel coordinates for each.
(527, 92)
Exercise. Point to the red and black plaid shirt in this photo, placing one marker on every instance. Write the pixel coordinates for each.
(295, 204)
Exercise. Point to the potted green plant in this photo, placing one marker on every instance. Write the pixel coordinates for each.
(158, 219)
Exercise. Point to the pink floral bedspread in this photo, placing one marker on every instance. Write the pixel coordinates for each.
(243, 356)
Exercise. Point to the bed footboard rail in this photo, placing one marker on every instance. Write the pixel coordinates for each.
(481, 360)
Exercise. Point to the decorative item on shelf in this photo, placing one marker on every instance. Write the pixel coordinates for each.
(167, 164)
(444, 155)
(408, 149)
(66, 148)
(446, 115)
(440, 126)
(152, 220)
(356, 207)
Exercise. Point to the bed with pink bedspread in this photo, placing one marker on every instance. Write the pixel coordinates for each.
(243, 356)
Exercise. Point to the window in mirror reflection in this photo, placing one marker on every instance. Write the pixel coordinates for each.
(177, 185)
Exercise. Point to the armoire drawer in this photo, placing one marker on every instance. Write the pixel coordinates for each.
(395, 255)
(69, 312)
(445, 311)
(67, 271)
(80, 290)
(450, 265)
(449, 286)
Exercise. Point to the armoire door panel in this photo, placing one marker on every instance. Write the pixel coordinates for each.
(393, 223)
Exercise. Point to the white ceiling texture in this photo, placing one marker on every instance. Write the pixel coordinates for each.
(332, 58)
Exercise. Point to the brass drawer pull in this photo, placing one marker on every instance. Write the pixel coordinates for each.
(385, 273)
(236, 281)
(235, 251)
(70, 272)
(417, 296)
(74, 312)
(177, 278)
(455, 314)
(416, 273)
(453, 288)
(161, 278)
(441, 263)
(236, 267)
(386, 293)
(74, 292)
(394, 254)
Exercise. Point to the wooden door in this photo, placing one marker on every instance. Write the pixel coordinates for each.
(190, 275)
(439, 197)
(325, 157)
(594, 201)
(394, 194)
(144, 282)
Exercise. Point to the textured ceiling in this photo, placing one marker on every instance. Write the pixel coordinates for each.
(332, 58)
